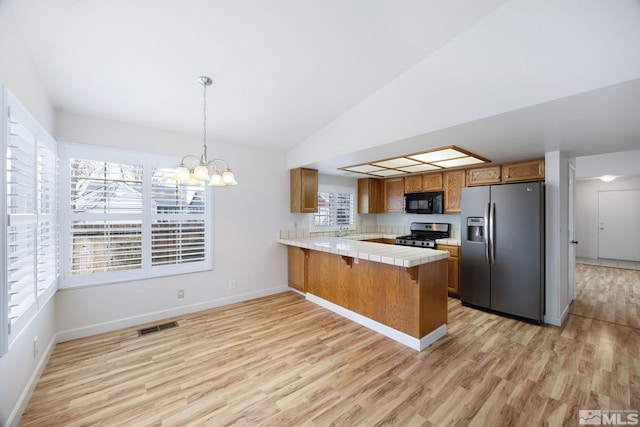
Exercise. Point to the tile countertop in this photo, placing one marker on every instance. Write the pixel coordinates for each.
(354, 246)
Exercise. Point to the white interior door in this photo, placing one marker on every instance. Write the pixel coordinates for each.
(618, 225)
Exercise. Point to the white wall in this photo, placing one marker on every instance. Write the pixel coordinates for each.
(450, 86)
(247, 219)
(19, 368)
(624, 163)
(587, 210)
(557, 298)
(18, 70)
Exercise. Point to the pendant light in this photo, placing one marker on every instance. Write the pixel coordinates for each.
(196, 170)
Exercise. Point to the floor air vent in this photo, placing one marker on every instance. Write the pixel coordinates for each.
(156, 328)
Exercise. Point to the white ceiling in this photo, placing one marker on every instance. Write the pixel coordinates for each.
(284, 70)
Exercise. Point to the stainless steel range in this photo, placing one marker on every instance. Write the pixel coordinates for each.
(424, 234)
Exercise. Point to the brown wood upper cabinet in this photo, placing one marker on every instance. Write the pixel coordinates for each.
(432, 181)
(424, 182)
(453, 182)
(393, 195)
(530, 170)
(484, 176)
(304, 190)
(369, 196)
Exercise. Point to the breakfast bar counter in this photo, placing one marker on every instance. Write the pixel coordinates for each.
(398, 291)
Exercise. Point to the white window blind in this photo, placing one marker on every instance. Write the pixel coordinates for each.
(334, 209)
(127, 218)
(31, 238)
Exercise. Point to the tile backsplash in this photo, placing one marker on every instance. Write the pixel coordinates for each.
(396, 230)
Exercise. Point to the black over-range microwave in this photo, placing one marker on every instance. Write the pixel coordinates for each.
(429, 202)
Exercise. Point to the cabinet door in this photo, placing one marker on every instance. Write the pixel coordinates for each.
(369, 200)
(532, 170)
(453, 265)
(297, 267)
(454, 182)
(413, 184)
(432, 181)
(304, 190)
(483, 176)
(393, 191)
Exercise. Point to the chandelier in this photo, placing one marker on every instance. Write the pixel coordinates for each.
(196, 170)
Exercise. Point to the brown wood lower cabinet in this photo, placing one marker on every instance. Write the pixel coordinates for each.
(297, 267)
(453, 265)
(412, 300)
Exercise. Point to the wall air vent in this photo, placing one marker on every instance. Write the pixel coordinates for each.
(156, 328)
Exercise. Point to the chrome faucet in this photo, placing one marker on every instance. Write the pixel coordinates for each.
(342, 231)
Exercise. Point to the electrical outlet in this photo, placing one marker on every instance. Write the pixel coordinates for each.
(181, 294)
(232, 284)
(36, 350)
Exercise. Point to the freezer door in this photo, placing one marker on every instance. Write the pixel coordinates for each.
(474, 271)
(517, 273)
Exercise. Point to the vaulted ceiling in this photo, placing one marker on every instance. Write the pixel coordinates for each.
(338, 82)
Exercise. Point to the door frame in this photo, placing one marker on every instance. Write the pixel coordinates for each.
(571, 270)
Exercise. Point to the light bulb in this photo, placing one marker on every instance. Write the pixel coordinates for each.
(228, 178)
(182, 173)
(201, 172)
(216, 180)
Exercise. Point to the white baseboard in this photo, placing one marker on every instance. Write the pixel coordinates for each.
(113, 325)
(557, 321)
(23, 401)
(394, 334)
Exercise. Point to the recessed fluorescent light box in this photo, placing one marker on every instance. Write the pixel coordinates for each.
(424, 161)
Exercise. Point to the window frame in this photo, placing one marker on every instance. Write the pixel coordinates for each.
(149, 161)
(333, 189)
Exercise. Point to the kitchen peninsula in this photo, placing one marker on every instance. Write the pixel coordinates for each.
(398, 291)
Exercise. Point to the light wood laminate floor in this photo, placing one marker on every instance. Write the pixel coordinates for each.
(282, 360)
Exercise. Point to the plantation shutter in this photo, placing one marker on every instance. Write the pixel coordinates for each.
(177, 220)
(47, 208)
(344, 208)
(334, 209)
(106, 216)
(21, 220)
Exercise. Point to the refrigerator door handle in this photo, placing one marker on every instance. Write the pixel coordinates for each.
(486, 233)
(492, 230)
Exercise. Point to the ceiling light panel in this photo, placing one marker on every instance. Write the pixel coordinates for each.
(455, 163)
(397, 163)
(362, 168)
(422, 167)
(388, 172)
(432, 160)
(439, 155)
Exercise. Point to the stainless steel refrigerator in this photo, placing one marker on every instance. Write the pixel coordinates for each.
(502, 259)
